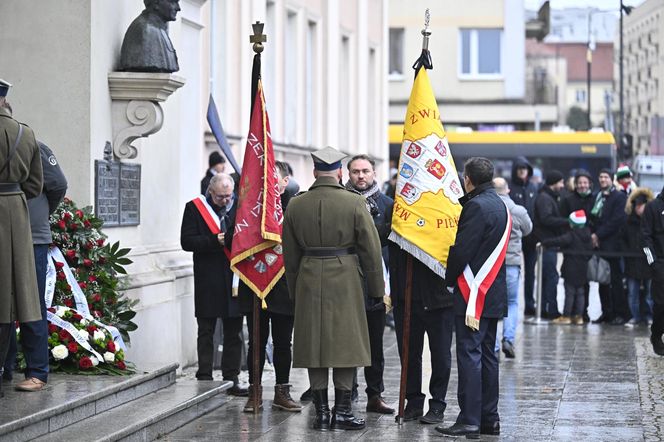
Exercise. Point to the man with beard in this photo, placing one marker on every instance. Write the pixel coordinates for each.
(204, 225)
(652, 229)
(523, 192)
(362, 174)
(608, 218)
(548, 223)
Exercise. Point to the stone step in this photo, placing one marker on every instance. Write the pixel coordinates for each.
(148, 417)
(71, 398)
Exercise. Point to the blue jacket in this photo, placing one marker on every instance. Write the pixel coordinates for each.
(481, 226)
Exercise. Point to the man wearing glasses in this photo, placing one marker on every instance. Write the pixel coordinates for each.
(204, 225)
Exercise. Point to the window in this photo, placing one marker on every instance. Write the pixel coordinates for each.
(396, 52)
(344, 91)
(480, 52)
(580, 95)
(309, 86)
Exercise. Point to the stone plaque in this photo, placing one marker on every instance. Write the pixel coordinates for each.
(118, 193)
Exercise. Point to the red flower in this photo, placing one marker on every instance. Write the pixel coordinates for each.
(92, 278)
(73, 226)
(92, 328)
(96, 297)
(89, 245)
(66, 200)
(102, 260)
(72, 347)
(85, 363)
(86, 224)
(62, 225)
(100, 242)
(71, 254)
(79, 214)
(63, 335)
(77, 317)
(51, 309)
(87, 262)
(121, 365)
(59, 265)
(68, 302)
(97, 314)
(52, 329)
(82, 285)
(61, 276)
(110, 346)
(66, 216)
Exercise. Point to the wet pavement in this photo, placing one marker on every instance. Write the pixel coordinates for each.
(567, 382)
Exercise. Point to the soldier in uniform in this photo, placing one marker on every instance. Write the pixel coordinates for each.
(20, 178)
(330, 246)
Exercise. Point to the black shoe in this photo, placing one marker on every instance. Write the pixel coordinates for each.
(491, 429)
(412, 413)
(237, 389)
(529, 312)
(322, 419)
(306, 396)
(354, 395)
(657, 345)
(508, 349)
(203, 377)
(342, 413)
(602, 318)
(618, 321)
(433, 416)
(470, 431)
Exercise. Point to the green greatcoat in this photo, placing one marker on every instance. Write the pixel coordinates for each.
(330, 319)
(19, 296)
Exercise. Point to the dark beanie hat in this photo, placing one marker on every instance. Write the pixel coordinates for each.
(553, 176)
(607, 171)
(215, 158)
(582, 172)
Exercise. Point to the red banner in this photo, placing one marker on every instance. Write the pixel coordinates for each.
(256, 256)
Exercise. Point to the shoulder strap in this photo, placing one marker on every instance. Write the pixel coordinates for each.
(12, 151)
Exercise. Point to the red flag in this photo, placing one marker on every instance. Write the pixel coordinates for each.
(256, 256)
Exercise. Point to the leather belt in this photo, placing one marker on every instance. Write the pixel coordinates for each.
(328, 252)
(10, 187)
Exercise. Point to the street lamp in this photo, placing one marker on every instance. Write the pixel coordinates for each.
(627, 10)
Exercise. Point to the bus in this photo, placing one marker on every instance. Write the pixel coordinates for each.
(564, 151)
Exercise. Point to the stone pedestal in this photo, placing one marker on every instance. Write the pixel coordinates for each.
(136, 111)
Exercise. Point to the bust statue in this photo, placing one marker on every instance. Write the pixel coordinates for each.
(146, 46)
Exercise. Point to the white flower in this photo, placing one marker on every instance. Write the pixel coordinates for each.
(60, 311)
(84, 322)
(94, 360)
(99, 335)
(84, 334)
(108, 356)
(60, 352)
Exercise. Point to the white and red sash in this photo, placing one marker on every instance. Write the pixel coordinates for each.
(213, 222)
(474, 287)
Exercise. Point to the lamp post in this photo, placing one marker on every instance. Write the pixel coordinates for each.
(621, 131)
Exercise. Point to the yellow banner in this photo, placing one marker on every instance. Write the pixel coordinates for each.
(426, 204)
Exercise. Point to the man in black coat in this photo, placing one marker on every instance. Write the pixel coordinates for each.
(524, 192)
(362, 180)
(608, 218)
(484, 227)
(652, 228)
(204, 224)
(548, 223)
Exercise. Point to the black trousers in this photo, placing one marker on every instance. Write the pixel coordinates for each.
(282, 332)
(657, 292)
(373, 374)
(231, 358)
(438, 324)
(612, 296)
(478, 372)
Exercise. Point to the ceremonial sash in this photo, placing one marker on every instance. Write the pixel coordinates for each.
(474, 287)
(213, 222)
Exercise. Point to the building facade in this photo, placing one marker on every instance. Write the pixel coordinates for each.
(324, 72)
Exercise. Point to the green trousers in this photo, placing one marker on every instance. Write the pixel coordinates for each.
(342, 377)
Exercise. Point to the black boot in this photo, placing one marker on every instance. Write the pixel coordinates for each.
(342, 415)
(5, 334)
(322, 420)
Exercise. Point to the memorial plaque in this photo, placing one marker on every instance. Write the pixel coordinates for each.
(118, 193)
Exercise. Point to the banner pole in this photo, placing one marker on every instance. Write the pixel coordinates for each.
(405, 338)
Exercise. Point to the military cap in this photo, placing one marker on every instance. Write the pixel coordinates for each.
(4, 87)
(327, 159)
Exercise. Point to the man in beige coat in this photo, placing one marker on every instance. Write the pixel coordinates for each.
(330, 245)
(20, 178)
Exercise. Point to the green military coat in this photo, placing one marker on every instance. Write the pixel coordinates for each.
(330, 319)
(19, 296)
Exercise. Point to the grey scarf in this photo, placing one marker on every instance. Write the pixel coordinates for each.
(371, 196)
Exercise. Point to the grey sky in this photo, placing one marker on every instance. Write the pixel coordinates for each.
(599, 4)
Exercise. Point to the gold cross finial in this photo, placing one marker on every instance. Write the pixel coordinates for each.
(258, 38)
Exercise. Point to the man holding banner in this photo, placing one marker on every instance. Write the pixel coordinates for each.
(330, 246)
(476, 270)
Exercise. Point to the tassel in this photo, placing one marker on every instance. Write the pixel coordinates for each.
(473, 323)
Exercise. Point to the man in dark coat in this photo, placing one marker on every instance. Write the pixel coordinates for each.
(523, 192)
(361, 173)
(652, 228)
(548, 223)
(476, 270)
(331, 252)
(279, 313)
(204, 224)
(34, 335)
(216, 164)
(20, 178)
(608, 218)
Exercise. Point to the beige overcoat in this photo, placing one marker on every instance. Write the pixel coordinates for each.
(330, 320)
(19, 296)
